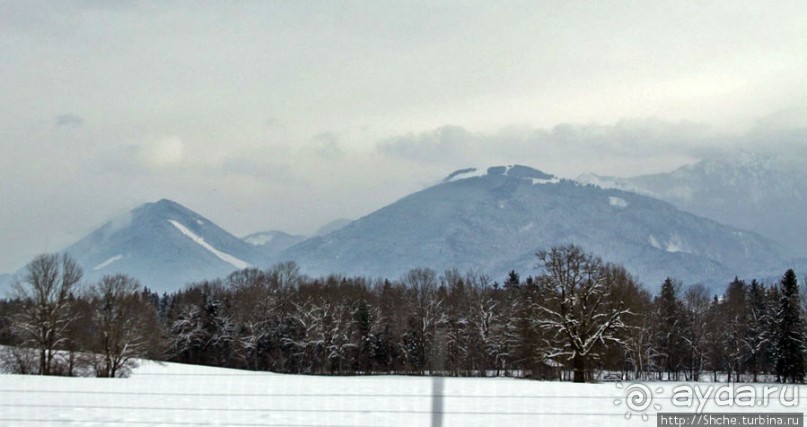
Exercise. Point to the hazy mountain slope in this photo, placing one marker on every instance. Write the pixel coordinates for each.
(495, 221)
(762, 193)
(164, 245)
(271, 243)
(332, 226)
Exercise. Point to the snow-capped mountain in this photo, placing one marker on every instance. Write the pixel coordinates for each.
(763, 193)
(271, 243)
(495, 220)
(164, 245)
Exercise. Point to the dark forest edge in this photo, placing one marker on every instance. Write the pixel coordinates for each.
(577, 319)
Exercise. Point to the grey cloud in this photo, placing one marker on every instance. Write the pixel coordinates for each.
(118, 223)
(116, 5)
(433, 146)
(69, 120)
(326, 145)
(629, 147)
(261, 169)
(789, 118)
(630, 138)
(787, 145)
(634, 138)
(116, 160)
(142, 157)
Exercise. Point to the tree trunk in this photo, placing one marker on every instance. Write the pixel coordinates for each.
(71, 361)
(42, 362)
(579, 363)
(49, 362)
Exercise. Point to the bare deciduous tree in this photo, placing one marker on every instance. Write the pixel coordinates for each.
(46, 316)
(696, 304)
(121, 319)
(427, 318)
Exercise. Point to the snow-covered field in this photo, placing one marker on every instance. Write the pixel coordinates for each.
(174, 394)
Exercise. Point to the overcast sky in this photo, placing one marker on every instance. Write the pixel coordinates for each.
(286, 115)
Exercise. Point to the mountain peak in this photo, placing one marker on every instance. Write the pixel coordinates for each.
(164, 205)
(165, 209)
(166, 202)
(164, 245)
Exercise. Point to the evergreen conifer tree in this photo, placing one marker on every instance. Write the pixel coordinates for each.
(789, 339)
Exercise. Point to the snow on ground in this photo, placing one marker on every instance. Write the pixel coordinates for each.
(617, 201)
(174, 394)
(676, 244)
(538, 181)
(652, 240)
(237, 263)
(108, 262)
(259, 239)
(527, 227)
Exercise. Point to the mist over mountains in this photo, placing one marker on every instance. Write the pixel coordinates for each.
(765, 193)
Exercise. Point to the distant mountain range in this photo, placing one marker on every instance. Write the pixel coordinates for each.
(271, 243)
(762, 193)
(495, 220)
(489, 220)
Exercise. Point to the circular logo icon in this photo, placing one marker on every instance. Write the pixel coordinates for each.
(638, 397)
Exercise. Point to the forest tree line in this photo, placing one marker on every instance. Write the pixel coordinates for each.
(577, 319)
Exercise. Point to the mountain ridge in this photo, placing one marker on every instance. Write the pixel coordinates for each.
(495, 221)
(755, 191)
(489, 220)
